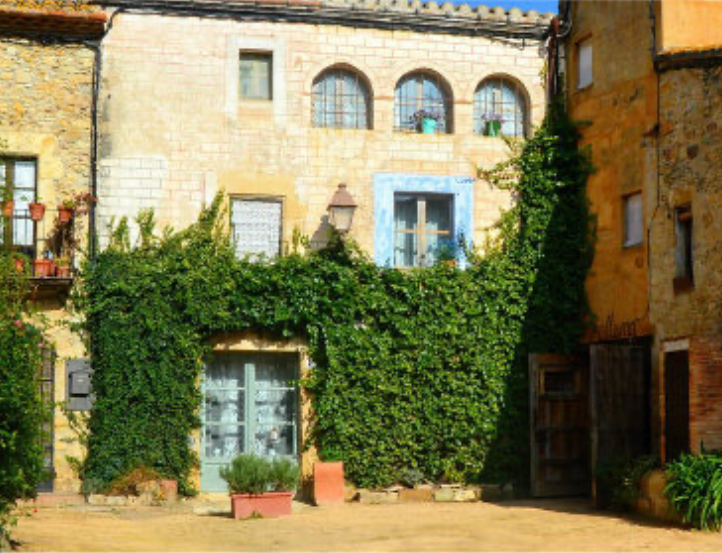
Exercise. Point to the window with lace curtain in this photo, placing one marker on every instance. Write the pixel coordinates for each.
(500, 108)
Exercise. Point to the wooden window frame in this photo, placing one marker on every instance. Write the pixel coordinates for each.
(420, 232)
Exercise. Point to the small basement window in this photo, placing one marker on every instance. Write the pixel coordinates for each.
(633, 220)
(256, 74)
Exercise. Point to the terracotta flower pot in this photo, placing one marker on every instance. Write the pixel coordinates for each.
(267, 505)
(20, 264)
(328, 483)
(37, 211)
(44, 268)
(63, 271)
(8, 207)
(65, 214)
(169, 489)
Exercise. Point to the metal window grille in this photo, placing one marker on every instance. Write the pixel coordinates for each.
(256, 74)
(500, 108)
(256, 226)
(341, 100)
(47, 396)
(420, 94)
(423, 227)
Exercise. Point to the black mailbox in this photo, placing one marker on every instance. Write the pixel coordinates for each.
(78, 384)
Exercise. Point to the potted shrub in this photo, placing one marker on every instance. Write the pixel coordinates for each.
(259, 486)
(37, 210)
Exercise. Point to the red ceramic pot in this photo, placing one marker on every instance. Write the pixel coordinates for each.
(267, 505)
(8, 208)
(328, 483)
(37, 211)
(65, 214)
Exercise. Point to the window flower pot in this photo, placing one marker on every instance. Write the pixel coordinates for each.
(20, 264)
(65, 214)
(328, 483)
(63, 271)
(267, 505)
(428, 125)
(493, 128)
(44, 268)
(8, 207)
(37, 211)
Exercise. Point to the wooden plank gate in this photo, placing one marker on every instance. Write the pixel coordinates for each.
(559, 388)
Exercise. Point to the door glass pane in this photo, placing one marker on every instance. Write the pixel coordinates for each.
(223, 441)
(275, 407)
(225, 406)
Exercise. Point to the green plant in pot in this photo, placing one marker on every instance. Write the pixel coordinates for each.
(259, 486)
(492, 124)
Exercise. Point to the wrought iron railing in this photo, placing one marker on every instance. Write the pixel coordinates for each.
(47, 246)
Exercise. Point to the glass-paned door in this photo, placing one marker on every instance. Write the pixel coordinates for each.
(250, 406)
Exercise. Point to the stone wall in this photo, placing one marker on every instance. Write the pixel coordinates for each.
(45, 114)
(174, 131)
(690, 173)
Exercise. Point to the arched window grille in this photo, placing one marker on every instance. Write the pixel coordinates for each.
(424, 104)
(341, 100)
(500, 108)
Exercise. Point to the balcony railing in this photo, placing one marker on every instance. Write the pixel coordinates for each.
(48, 245)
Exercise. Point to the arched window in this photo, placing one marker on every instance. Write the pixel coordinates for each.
(423, 104)
(500, 108)
(341, 100)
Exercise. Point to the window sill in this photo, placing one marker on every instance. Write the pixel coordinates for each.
(584, 88)
(633, 247)
(682, 285)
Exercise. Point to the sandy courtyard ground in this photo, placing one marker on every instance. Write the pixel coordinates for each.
(522, 525)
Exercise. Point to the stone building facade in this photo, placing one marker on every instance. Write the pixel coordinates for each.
(46, 106)
(277, 105)
(647, 83)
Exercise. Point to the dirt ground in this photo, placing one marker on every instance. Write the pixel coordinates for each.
(521, 525)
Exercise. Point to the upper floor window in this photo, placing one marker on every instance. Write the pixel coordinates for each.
(18, 185)
(584, 63)
(500, 108)
(684, 251)
(256, 69)
(423, 104)
(256, 226)
(423, 228)
(341, 100)
(633, 220)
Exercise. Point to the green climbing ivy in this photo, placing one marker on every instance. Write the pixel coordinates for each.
(419, 371)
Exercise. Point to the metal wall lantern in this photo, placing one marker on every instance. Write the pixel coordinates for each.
(341, 210)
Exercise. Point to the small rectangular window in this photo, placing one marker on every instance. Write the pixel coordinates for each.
(256, 226)
(633, 220)
(18, 176)
(584, 58)
(256, 76)
(684, 252)
(423, 229)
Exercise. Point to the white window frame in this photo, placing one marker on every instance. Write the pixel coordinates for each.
(585, 63)
(258, 198)
(633, 219)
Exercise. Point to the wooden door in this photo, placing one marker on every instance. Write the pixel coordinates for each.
(620, 375)
(676, 404)
(559, 425)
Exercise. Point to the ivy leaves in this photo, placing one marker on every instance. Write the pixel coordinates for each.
(420, 371)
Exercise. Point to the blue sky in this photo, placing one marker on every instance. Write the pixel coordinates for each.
(542, 6)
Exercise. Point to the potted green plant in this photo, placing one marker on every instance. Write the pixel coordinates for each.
(259, 486)
(66, 210)
(492, 124)
(426, 121)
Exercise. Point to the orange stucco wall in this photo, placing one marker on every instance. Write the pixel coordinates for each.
(690, 24)
(619, 113)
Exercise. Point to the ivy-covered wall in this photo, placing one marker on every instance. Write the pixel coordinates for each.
(422, 370)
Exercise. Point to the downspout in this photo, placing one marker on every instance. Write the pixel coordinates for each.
(96, 47)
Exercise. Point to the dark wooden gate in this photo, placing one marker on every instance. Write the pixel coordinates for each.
(619, 401)
(676, 404)
(559, 425)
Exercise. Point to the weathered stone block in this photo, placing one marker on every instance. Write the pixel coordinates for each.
(369, 497)
(416, 496)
